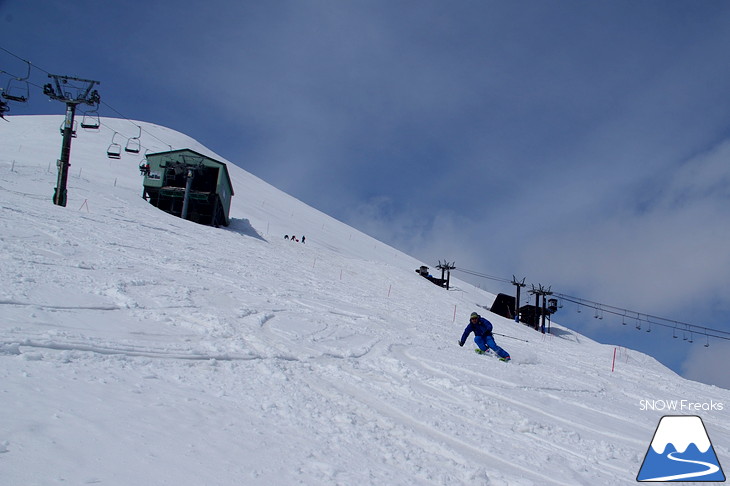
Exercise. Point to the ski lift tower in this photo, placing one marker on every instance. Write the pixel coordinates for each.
(72, 91)
(543, 292)
(519, 286)
(446, 267)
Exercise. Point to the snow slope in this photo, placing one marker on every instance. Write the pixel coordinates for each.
(139, 348)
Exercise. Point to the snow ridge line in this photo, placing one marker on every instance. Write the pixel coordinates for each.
(62, 307)
(14, 348)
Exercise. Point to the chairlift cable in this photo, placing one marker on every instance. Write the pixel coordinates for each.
(649, 318)
(132, 122)
(24, 60)
(482, 275)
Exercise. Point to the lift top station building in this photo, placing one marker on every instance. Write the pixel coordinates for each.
(189, 185)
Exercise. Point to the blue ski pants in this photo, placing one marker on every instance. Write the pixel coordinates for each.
(485, 342)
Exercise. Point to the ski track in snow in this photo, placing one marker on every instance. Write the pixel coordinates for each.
(138, 348)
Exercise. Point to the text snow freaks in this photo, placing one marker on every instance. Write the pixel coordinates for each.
(680, 406)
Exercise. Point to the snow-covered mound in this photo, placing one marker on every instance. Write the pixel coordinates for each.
(139, 348)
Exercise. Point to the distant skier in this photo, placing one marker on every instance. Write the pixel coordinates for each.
(482, 330)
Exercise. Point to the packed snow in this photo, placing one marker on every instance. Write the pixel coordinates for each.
(140, 348)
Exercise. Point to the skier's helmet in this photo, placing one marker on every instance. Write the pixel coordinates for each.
(474, 315)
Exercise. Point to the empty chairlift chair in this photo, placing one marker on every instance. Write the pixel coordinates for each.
(91, 120)
(133, 144)
(18, 89)
(115, 150)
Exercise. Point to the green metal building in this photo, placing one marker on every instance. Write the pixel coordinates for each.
(189, 185)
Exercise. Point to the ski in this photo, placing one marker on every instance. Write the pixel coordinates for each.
(489, 353)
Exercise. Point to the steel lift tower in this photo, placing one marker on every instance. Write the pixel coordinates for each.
(72, 91)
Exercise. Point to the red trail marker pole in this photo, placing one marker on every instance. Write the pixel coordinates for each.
(613, 364)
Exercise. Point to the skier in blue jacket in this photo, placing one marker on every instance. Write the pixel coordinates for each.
(482, 330)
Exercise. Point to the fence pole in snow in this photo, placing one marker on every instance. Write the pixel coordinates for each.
(454, 313)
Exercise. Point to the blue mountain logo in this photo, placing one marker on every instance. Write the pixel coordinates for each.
(680, 451)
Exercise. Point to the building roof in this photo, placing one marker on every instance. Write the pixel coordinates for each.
(187, 150)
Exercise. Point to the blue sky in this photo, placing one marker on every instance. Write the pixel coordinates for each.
(582, 145)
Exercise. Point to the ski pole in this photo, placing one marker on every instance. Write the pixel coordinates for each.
(504, 335)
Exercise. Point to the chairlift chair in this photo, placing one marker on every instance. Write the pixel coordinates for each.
(115, 150)
(133, 144)
(91, 120)
(144, 165)
(553, 305)
(18, 88)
